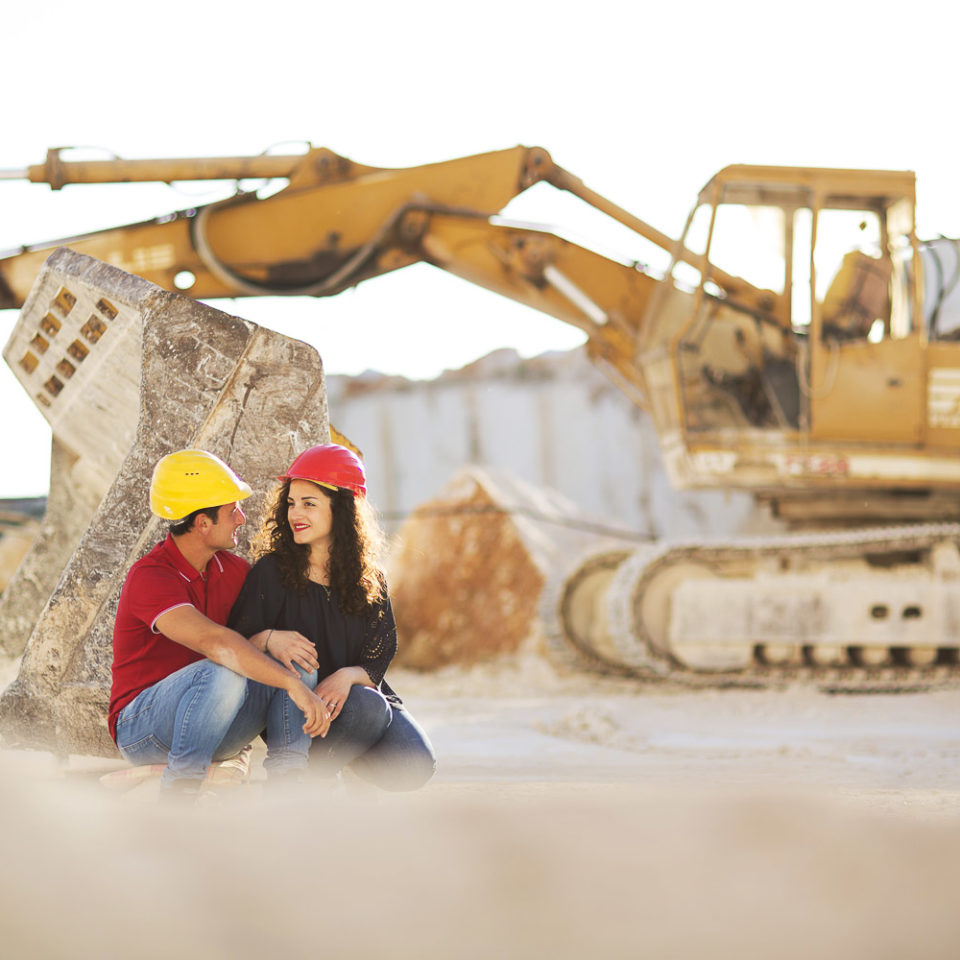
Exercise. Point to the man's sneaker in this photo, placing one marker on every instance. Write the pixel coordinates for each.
(232, 772)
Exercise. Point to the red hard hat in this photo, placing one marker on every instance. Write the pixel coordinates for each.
(330, 465)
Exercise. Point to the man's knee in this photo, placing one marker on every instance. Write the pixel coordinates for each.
(223, 685)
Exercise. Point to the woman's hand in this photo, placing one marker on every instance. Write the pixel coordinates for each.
(289, 647)
(335, 689)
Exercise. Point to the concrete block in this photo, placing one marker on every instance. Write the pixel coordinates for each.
(186, 375)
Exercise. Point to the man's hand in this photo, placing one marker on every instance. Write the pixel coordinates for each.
(317, 716)
(289, 647)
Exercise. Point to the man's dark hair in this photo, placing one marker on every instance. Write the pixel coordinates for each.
(186, 524)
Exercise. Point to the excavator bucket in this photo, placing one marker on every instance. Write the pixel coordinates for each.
(126, 372)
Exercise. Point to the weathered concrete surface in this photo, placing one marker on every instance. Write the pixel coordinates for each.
(18, 531)
(70, 507)
(76, 352)
(468, 568)
(206, 379)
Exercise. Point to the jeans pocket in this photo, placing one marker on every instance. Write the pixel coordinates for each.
(146, 750)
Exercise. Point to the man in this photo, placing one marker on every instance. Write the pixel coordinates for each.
(187, 690)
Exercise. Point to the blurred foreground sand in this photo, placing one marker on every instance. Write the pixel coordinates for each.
(570, 817)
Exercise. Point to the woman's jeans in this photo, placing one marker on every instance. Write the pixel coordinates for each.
(380, 741)
(205, 712)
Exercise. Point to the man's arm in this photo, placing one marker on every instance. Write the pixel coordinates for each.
(188, 626)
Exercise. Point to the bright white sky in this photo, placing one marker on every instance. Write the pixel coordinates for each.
(643, 105)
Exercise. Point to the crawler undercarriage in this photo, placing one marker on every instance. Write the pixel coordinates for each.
(858, 611)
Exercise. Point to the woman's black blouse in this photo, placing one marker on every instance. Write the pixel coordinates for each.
(342, 640)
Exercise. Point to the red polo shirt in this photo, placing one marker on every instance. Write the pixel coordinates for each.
(156, 583)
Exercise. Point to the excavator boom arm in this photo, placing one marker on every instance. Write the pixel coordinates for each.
(296, 242)
(335, 224)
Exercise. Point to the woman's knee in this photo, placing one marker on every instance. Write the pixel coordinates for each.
(362, 723)
(397, 772)
(403, 760)
(309, 677)
(366, 711)
(413, 771)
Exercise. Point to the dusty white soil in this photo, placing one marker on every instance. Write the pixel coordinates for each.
(571, 816)
(525, 721)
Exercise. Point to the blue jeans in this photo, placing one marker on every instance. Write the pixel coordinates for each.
(380, 741)
(205, 712)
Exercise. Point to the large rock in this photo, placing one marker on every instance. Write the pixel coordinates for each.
(468, 568)
(200, 378)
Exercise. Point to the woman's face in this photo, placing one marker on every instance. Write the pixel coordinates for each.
(309, 513)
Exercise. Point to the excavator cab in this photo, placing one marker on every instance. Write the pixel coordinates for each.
(821, 367)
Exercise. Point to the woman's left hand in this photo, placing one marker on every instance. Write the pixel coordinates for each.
(335, 689)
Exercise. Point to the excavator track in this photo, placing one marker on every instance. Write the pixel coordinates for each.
(862, 611)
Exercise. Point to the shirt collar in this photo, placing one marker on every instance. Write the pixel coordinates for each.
(180, 562)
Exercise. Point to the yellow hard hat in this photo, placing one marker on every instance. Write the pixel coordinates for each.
(189, 480)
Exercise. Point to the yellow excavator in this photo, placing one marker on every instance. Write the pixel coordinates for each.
(802, 345)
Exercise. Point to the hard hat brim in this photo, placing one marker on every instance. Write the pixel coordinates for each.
(319, 483)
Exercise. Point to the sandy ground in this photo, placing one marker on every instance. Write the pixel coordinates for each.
(571, 816)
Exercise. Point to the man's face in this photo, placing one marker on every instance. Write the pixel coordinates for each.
(222, 535)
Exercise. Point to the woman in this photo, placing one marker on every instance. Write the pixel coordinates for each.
(317, 577)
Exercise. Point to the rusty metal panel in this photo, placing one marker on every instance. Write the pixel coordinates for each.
(869, 392)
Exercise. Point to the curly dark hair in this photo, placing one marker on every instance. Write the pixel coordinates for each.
(355, 574)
